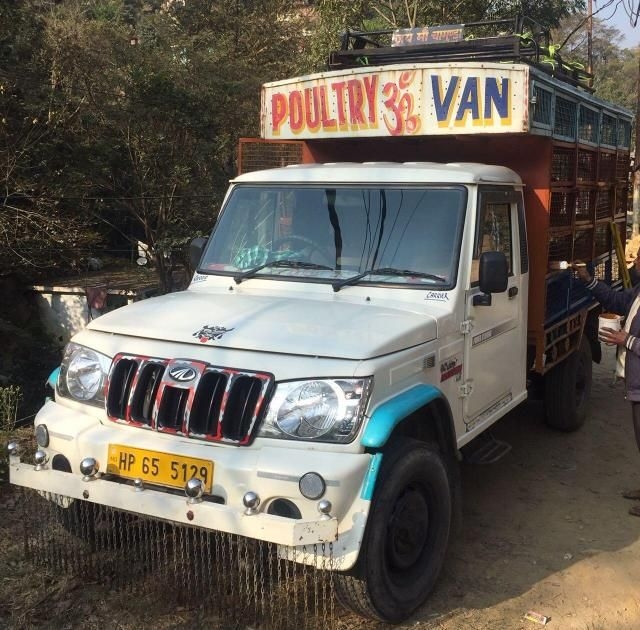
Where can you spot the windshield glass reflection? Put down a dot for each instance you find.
(329, 234)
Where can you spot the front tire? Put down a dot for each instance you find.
(406, 536)
(567, 388)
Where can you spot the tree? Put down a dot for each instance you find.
(38, 231)
(142, 109)
(334, 17)
(614, 68)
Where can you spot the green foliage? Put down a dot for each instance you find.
(10, 397)
(335, 17)
(37, 231)
(615, 69)
(119, 119)
(125, 117)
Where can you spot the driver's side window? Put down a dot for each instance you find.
(493, 234)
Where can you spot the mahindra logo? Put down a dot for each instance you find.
(182, 373)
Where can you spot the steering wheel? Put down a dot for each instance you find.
(304, 243)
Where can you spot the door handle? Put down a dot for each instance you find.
(513, 291)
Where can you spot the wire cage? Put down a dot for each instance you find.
(256, 155)
(561, 207)
(585, 203)
(239, 582)
(560, 245)
(604, 203)
(621, 203)
(583, 244)
(543, 105)
(602, 239)
(607, 167)
(623, 162)
(588, 125)
(563, 164)
(609, 130)
(587, 162)
(565, 121)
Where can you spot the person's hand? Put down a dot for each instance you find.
(613, 337)
(581, 270)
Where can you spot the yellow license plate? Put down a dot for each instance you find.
(155, 467)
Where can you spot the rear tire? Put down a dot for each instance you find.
(406, 537)
(567, 388)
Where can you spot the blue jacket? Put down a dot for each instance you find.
(620, 302)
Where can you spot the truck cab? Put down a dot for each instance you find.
(386, 258)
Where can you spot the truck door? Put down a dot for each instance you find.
(495, 346)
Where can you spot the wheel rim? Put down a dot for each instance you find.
(408, 530)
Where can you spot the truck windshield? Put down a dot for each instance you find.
(405, 235)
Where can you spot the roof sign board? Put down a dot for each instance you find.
(403, 100)
(427, 35)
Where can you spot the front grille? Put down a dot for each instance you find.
(214, 403)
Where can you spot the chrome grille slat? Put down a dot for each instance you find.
(205, 412)
(145, 392)
(171, 408)
(122, 375)
(239, 399)
(217, 404)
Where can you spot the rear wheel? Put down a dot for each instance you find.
(406, 536)
(567, 388)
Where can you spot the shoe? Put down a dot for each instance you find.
(634, 510)
(634, 495)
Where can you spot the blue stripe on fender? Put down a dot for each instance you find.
(389, 414)
(53, 378)
(370, 479)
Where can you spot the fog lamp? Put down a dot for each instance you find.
(42, 435)
(312, 485)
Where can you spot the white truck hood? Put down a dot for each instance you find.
(301, 326)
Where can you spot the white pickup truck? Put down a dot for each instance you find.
(355, 321)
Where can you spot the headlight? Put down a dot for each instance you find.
(327, 410)
(82, 374)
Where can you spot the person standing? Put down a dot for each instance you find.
(627, 340)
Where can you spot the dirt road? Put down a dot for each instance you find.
(544, 529)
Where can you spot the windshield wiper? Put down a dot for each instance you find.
(385, 271)
(291, 264)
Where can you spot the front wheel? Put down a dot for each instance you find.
(406, 536)
(567, 388)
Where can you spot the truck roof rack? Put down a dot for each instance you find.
(518, 39)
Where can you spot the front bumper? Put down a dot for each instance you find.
(270, 471)
(266, 527)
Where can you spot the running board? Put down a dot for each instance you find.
(486, 449)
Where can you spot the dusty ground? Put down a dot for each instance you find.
(544, 529)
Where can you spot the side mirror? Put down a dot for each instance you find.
(494, 277)
(196, 247)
